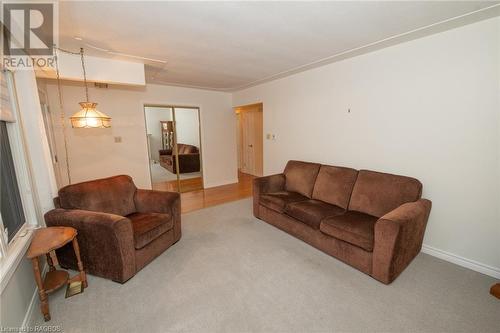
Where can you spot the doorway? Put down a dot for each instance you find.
(48, 122)
(174, 147)
(249, 127)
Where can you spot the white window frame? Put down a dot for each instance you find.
(11, 253)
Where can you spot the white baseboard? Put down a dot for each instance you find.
(32, 305)
(461, 261)
(31, 308)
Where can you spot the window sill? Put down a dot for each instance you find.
(15, 253)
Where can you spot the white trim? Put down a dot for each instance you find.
(15, 253)
(29, 311)
(31, 307)
(461, 261)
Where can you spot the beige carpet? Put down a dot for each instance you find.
(233, 273)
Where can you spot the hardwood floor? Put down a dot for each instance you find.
(195, 200)
(187, 185)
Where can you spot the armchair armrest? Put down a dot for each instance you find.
(148, 201)
(106, 242)
(268, 184)
(398, 239)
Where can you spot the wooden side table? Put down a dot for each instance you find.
(44, 243)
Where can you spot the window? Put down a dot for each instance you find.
(18, 213)
(11, 207)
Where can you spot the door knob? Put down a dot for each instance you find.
(250, 146)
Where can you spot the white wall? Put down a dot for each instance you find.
(94, 154)
(153, 117)
(428, 108)
(187, 126)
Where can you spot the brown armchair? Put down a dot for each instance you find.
(189, 159)
(120, 228)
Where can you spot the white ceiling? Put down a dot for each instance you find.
(230, 45)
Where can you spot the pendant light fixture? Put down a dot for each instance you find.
(89, 116)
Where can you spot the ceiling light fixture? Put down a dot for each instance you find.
(89, 116)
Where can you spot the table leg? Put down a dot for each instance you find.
(44, 302)
(83, 276)
(50, 262)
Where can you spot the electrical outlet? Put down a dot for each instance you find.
(118, 139)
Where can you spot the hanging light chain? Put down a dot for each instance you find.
(63, 116)
(88, 108)
(84, 75)
(83, 66)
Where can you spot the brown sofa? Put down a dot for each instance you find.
(120, 228)
(372, 221)
(189, 159)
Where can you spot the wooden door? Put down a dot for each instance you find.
(251, 141)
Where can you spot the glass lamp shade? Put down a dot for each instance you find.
(89, 117)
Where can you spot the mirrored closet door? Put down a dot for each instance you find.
(174, 146)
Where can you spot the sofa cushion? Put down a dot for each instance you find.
(278, 200)
(300, 177)
(352, 227)
(377, 193)
(149, 226)
(113, 195)
(311, 212)
(334, 185)
(186, 149)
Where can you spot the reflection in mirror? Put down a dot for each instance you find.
(174, 145)
(187, 129)
(160, 138)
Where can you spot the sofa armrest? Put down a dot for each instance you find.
(268, 184)
(148, 201)
(106, 242)
(189, 162)
(398, 239)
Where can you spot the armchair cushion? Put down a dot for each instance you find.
(113, 195)
(377, 193)
(300, 177)
(150, 201)
(311, 212)
(149, 226)
(278, 200)
(352, 227)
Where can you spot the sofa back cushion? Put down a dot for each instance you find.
(186, 149)
(114, 195)
(300, 177)
(334, 185)
(377, 193)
